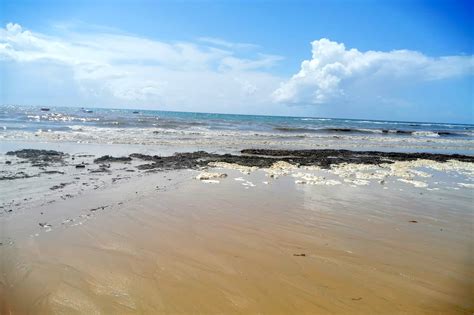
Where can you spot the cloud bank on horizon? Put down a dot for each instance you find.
(112, 68)
(120, 69)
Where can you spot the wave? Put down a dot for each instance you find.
(426, 133)
(401, 132)
(326, 130)
(293, 129)
(316, 119)
(397, 131)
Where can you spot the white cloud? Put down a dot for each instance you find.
(105, 67)
(263, 61)
(332, 67)
(226, 44)
(111, 67)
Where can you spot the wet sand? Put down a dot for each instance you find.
(259, 243)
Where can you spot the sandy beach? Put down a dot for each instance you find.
(210, 157)
(113, 236)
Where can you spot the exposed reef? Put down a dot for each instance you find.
(39, 157)
(263, 158)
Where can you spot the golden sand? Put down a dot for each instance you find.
(283, 248)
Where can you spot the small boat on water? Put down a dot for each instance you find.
(45, 109)
(136, 112)
(87, 111)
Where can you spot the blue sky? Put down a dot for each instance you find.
(401, 60)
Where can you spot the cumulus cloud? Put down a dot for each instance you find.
(126, 68)
(106, 67)
(333, 67)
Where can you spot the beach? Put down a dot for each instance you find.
(210, 157)
(123, 224)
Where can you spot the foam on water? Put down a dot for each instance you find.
(114, 126)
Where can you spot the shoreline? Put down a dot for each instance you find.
(71, 174)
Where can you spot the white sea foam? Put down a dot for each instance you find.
(425, 134)
(241, 168)
(415, 183)
(210, 175)
(316, 119)
(466, 185)
(210, 181)
(236, 139)
(280, 168)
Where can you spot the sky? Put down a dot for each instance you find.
(391, 60)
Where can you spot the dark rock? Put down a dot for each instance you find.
(52, 172)
(98, 208)
(325, 158)
(39, 158)
(62, 185)
(100, 170)
(18, 175)
(265, 158)
(108, 159)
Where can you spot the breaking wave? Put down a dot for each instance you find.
(419, 133)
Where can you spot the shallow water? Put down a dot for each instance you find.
(227, 132)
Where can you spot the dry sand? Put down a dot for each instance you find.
(167, 243)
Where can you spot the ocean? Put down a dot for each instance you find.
(227, 131)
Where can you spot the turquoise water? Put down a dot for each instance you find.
(63, 118)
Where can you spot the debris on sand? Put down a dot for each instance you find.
(62, 185)
(17, 175)
(109, 159)
(210, 176)
(98, 208)
(53, 172)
